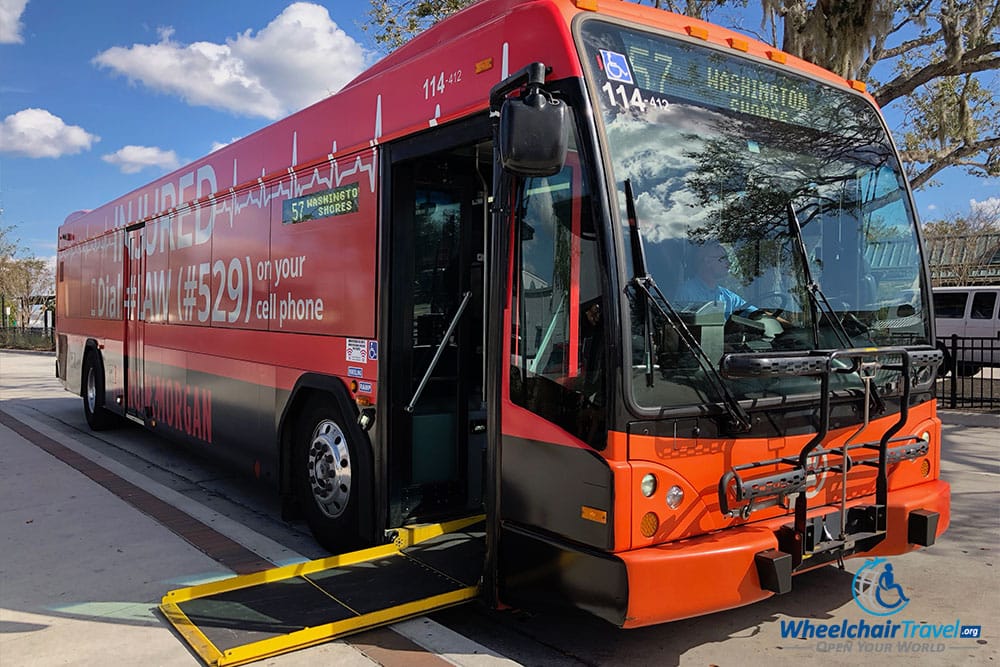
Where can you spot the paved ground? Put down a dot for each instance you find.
(82, 569)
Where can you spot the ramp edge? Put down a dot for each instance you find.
(266, 648)
(195, 638)
(277, 574)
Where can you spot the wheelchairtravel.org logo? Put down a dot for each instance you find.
(876, 592)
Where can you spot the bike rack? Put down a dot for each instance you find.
(812, 541)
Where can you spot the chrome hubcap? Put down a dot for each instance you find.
(91, 391)
(329, 466)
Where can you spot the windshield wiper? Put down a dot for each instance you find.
(639, 269)
(644, 284)
(815, 292)
(818, 298)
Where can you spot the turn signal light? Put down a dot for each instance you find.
(650, 522)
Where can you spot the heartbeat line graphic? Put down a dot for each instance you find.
(331, 175)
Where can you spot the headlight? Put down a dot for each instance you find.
(675, 496)
(648, 484)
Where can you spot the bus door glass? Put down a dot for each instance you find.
(135, 269)
(437, 435)
(557, 346)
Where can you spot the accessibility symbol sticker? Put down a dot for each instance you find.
(616, 66)
(373, 350)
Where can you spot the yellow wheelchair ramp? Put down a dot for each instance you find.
(255, 616)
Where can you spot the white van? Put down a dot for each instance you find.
(970, 312)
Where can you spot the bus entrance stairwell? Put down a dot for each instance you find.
(436, 444)
(814, 539)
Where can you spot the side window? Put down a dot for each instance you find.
(558, 345)
(950, 305)
(982, 305)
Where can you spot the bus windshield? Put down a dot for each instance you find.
(750, 183)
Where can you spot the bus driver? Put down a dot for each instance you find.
(708, 267)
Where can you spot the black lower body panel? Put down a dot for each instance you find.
(541, 573)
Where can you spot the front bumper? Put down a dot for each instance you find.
(718, 571)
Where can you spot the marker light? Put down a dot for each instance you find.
(696, 31)
(650, 522)
(675, 496)
(648, 484)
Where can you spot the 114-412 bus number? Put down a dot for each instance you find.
(620, 96)
(436, 84)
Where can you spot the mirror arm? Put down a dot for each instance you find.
(532, 75)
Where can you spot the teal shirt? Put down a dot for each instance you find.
(695, 291)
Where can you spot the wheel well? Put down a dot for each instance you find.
(89, 348)
(308, 387)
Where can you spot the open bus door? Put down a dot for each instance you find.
(436, 440)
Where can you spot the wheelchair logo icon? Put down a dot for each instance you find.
(616, 66)
(875, 589)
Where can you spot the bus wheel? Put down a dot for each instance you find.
(98, 419)
(326, 481)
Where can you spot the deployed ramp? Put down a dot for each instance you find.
(254, 616)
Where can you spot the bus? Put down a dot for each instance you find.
(609, 275)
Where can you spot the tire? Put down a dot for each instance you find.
(330, 474)
(98, 418)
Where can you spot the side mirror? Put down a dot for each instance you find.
(533, 134)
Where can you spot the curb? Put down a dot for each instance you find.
(43, 353)
(963, 418)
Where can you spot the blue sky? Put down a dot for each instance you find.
(98, 98)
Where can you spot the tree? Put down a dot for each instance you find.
(29, 282)
(942, 57)
(8, 247)
(394, 22)
(937, 61)
(24, 281)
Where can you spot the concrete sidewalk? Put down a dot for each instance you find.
(82, 572)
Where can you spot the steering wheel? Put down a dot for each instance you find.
(763, 308)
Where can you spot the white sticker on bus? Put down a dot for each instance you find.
(357, 350)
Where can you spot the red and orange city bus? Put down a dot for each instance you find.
(649, 293)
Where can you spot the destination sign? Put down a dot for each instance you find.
(328, 203)
(643, 71)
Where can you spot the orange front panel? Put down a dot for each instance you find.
(716, 571)
(696, 465)
(684, 579)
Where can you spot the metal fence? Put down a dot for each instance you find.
(971, 375)
(28, 338)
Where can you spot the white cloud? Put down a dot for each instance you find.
(298, 58)
(132, 159)
(932, 207)
(989, 207)
(10, 21)
(38, 133)
(216, 145)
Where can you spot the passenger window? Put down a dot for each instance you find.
(982, 305)
(558, 343)
(950, 305)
